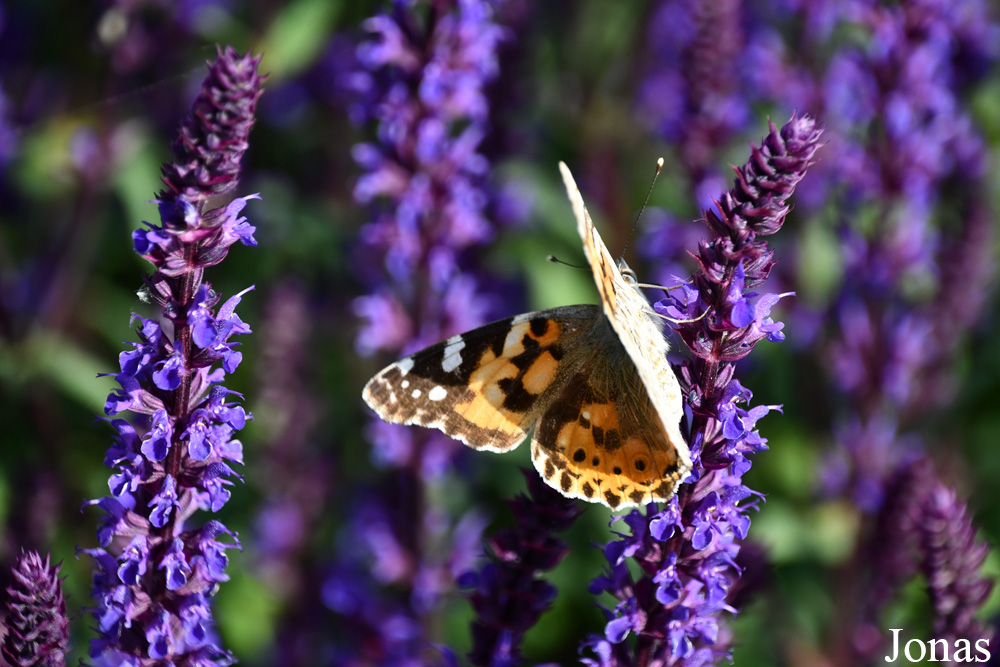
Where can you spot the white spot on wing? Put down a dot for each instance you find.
(416, 393)
(404, 384)
(437, 393)
(453, 354)
(405, 365)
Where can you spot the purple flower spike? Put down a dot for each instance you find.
(211, 143)
(687, 551)
(950, 558)
(507, 595)
(922, 527)
(36, 623)
(151, 595)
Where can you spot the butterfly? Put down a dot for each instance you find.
(593, 381)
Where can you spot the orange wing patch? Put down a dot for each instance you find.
(605, 449)
(503, 388)
(540, 373)
(486, 407)
(543, 332)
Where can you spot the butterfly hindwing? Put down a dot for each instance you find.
(601, 438)
(485, 387)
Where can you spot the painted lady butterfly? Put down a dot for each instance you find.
(593, 380)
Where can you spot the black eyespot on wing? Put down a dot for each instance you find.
(616, 470)
(640, 465)
(595, 461)
(579, 455)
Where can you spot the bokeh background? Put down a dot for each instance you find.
(890, 249)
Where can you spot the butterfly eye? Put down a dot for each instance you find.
(629, 276)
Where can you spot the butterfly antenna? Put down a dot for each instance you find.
(659, 167)
(556, 260)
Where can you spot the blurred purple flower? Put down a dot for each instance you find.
(922, 527)
(666, 243)
(692, 95)
(507, 595)
(420, 85)
(909, 165)
(155, 571)
(902, 139)
(687, 549)
(8, 138)
(424, 179)
(295, 494)
(37, 628)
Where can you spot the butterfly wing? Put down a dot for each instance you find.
(627, 311)
(598, 438)
(488, 386)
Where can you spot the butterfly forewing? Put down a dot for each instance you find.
(628, 312)
(488, 386)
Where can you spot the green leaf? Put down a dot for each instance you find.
(298, 35)
(62, 363)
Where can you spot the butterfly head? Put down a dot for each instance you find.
(628, 275)
(630, 278)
